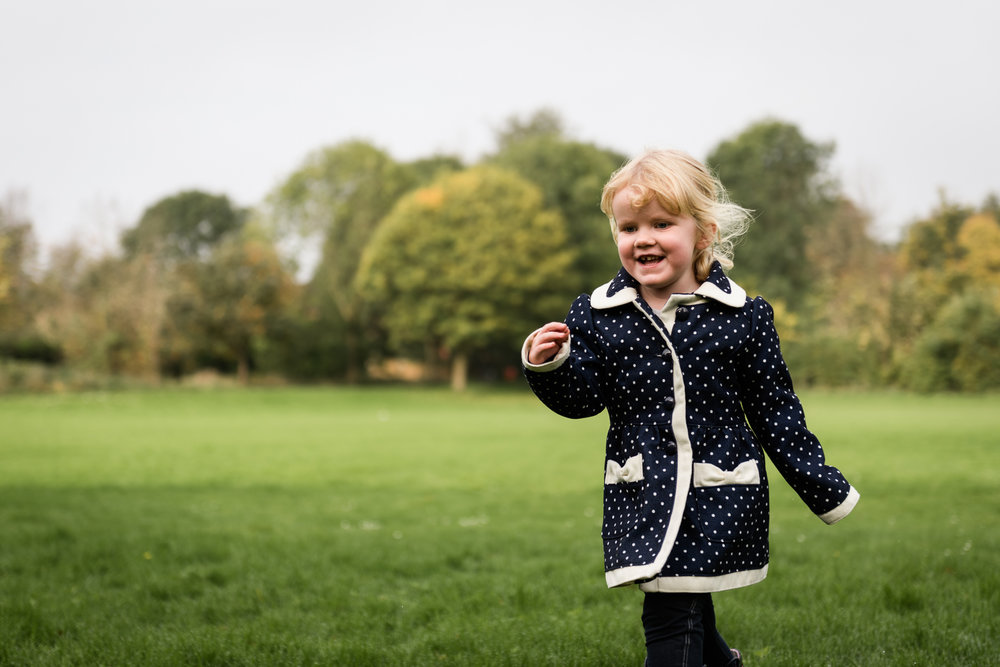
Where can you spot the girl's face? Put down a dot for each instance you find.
(656, 247)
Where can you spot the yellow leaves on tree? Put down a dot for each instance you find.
(430, 197)
(979, 240)
(468, 264)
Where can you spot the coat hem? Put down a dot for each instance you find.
(722, 582)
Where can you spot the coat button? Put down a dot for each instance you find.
(669, 401)
(682, 313)
(670, 447)
(665, 353)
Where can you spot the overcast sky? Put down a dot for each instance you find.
(109, 105)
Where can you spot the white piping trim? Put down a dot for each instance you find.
(685, 465)
(722, 582)
(685, 452)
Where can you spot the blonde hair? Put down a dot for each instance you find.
(682, 186)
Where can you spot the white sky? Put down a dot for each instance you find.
(109, 105)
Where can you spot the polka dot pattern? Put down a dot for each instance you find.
(736, 402)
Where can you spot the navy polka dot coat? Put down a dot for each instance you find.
(696, 393)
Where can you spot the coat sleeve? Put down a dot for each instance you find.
(775, 414)
(570, 384)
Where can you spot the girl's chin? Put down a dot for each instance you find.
(651, 274)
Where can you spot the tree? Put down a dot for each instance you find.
(772, 169)
(946, 307)
(224, 306)
(571, 175)
(959, 350)
(126, 322)
(340, 195)
(425, 170)
(306, 342)
(978, 264)
(542, 123)
(184, 226)
(930, 250)
(932, 257)
(842, 338)
(17, 255)
(105, 314)
(19, 297)
(469, 263)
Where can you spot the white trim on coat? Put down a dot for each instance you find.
(685, 468)
(706, 474)
(722, 582)
(843, 509)
(550, 365)
(735, 298)
(646, 575)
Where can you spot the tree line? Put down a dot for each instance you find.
(359, 266)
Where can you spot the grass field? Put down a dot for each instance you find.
(416, 527)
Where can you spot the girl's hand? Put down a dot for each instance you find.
(547, 342)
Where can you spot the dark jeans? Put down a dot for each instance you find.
(680, 631)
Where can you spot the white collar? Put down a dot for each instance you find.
(734, 298)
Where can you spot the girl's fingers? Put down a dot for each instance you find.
(539, 355)
(547, 342)
(555, 329)
(551, 335)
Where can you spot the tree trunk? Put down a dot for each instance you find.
(243, 369)
(352, 349)
(431, 362)
(459, 371)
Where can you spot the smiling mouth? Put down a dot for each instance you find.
(649, 259)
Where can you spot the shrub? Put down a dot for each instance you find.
(960, 350)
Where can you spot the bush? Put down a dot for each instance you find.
(826, 360)
(960, 350)
(31, 348)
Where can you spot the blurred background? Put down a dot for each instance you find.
(258, 192)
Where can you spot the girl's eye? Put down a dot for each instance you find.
(661, 224)
(627, 229)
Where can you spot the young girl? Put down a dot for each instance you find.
(691, 374)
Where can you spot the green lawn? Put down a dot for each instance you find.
(415, 527)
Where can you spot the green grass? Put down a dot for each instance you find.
(417, 527)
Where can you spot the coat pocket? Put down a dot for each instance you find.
(730, 503)
(622, 506)
(639, 477)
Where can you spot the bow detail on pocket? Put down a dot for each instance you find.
(706, 474)
(631, 471)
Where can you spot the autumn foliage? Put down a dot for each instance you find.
(359, 263)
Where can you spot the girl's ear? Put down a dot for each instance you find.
(707, 237)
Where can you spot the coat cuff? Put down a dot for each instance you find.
(550, 365)
(843, 509)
